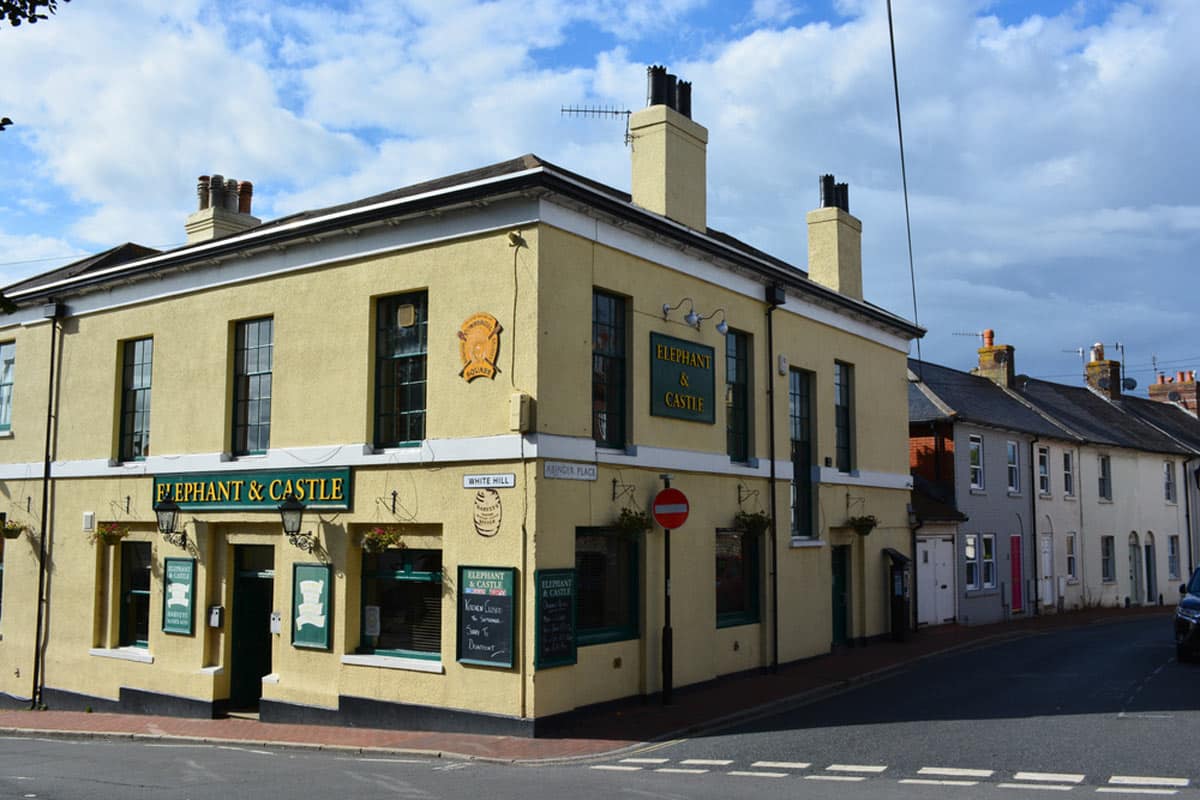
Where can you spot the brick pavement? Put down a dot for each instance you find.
(612, 728)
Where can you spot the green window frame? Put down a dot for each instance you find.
(609, 362)
(135, 594)
(800, 387)
(737, 396)
(253, 361)
(137, 365)
(737, 577)
(606, 596)
(406, 586)
(401, 355)
(843, 393)
(8, 354)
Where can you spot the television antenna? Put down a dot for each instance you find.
(977, 334)
(599, 112)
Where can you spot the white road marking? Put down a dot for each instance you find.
(782, 764)
(1049, 787)
(847, 778)
(1049, 777)
(1137, 780)
(1134, 790)
(677, 771)
(616, 768)
(874, 769)
(178, 745)
(955, 772)
(392, 760)
(707, 762)
(931, 782)
(644, 760)
(757, 774)
(246, 750)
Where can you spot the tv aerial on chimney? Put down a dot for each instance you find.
(599, 112)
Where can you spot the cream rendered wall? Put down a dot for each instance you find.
(1059, 514)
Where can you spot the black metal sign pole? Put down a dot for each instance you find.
(668, 644)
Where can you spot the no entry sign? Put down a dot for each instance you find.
(670, 508)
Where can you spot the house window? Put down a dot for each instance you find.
(138, 357)
(401, 348)
(1108, 564)
(1169, 481)
(608, 370)
(1044, 470)
(975, 448)
(1172, 557)
(606, 570)
(135, 594)
(737, 396)
(843, 389)
(800, 420)
(1069, 474)
(737, 577)
(1014, 466)
(252, 362)
(971, 559)
(402, 603)
(1072, 563)
(1105, 482)
(988, 557)
(8, 354)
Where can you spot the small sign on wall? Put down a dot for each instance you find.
(179, 595)
(310, 605)
(478, 346)
(488, 512)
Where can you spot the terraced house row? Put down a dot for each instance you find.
(392, 462)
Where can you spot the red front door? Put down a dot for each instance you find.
(1014, 553)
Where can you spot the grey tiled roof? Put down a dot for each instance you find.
(974, 399)
(1167, 417)
(113, 257)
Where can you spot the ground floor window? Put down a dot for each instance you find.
(737, 577)
(135, 594)
(1072, 568)
(606, 570)
(402, 603)
(1108, 564)
(1172, 557)
(979, 556)
(971, 559)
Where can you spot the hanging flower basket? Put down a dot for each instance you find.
(633, 521)
(13, 529)
(754, 523)
(380, 538)
(862, 525)
(108, 533)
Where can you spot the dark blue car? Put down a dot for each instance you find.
(1187, 620)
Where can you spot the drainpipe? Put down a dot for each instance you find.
(775, 297)
(52, 312)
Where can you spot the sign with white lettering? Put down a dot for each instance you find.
(567, 471)
(503, 481)
(554, 638)
(682, 379)
(486, 613)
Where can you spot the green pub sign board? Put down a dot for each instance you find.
(179, 595)
(682, 379)
(555, 619)
(486, 611)
(310, 605)
(316, 488)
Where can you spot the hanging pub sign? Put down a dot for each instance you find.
(179, 595)
(310, 606)
(682, 379)
(478, 345)
(316, 488)
(554, 637)
(486, 611)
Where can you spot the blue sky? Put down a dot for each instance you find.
(1049, 143)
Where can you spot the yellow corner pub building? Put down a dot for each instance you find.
(393, 463)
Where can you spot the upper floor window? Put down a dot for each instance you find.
(1044, 470)
(737, 396)
(1069, 474)
(137, 361)
(608, 370)
(843, 393)
(401, 348)
(1105, 478)
(8, 354)
(1169, 481)
(975, 449)
(1014, 466)
(252, 362)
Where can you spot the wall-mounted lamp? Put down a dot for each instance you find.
(168, 516)
(693, 319)
(722, 326)
(291, 511)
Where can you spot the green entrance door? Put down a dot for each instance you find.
(841, 593)
(253, 602)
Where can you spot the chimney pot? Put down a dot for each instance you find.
(656, 86)
(245, 194)
(202, 191)
(828, 191)
(1162, 379)
(1180, 376)
(989, 338)
(231, 194)
(683, 98)
(216, 191)
(843, 196)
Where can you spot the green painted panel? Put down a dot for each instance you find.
(310, 605)
(179, 595)
(682, 379)
(316, 488)
(554, 635)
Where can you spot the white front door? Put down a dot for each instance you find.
(1046, 590)
(935, 581)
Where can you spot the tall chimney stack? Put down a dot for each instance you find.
(835, 241)
(224, 209)
(996, 361)
(669, 151)
(1103, 374)
(1183, 390)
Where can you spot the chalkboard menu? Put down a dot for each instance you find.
(179, 595)
(486, 608)
(555, 618)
